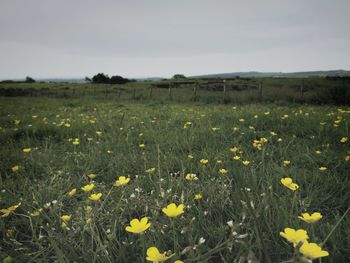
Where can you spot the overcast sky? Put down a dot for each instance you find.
(141, 38)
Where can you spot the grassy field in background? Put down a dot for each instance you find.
(291, 90)
(242, 207)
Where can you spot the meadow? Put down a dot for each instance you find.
(76, 173)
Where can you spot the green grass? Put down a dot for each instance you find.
(252, 196)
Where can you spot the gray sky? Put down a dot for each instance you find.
(140, 38)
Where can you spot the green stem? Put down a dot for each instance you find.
(336, 225)
(174, 235)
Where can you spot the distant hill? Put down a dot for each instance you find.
(256, 74)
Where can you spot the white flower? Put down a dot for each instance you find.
(230, 223)
(201, 241)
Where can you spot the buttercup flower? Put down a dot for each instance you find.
(88, 187)
(288, 182)
(234, 149)
(236, 158)
(92, 176)
(138, 226)
(66, 218)
(72, 192)
(151, 170)
(95, 197)
(191, 177)
(204, 161)
(142, 145)
(15, 168)
(246, 162)
(154, 255)
(286, 162)
(26, 150)
(312, 250)
(122, 180)
(7, 211)
(197, 197)
(36, 212)
(173, 211)
(344, 139)
(223, 171)
(322, 168)
(314, 217)
(294, 236)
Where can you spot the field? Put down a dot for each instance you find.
(223, 162)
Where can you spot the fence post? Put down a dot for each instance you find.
(224, 90)
(150, 91)
(170, 86)
(260, 91)
(195, 91)
(302, 89)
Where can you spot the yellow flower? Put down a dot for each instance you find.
(151, 170)
(67, 125)
(266, 113)
(36, 212)
(204, 161)
(138, 226)
(95, 197)
(179, 261)
(273, 133)
(318, 152)
(234, 149)
(191, 177)
(215, 129)
(344, 139)
(7, 211)
(88, 187)
(142, 145)
(122, 180)
(314, 217)
(223, 171)
(279, 139)
(72, 192)
(66, 218)
(322, 168)
(312, 250)
(99, 133)
(286, 162)
(294, 236)
(288, 182)
(15, 168)
(17, 122)
(76, 141)
(190, 156)
(187, 124)
(236, 158)
(154, 255)
(246, 162)
(197, 197)
(218, 161)
(92, 176)
(26, 150)
(173, 211)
